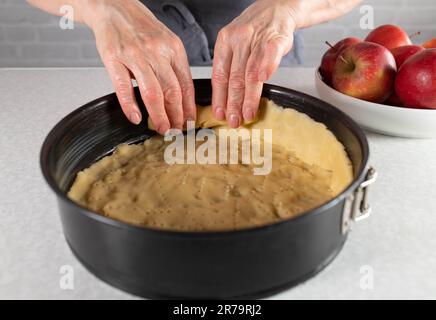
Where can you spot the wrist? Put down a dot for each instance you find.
(90, 11)
(297, 12)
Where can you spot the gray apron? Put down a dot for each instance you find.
(197, 23)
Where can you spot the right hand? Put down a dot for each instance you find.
(134, 44)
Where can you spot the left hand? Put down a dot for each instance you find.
(247, 52)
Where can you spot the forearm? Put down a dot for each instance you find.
(82, 8)
(311, 12)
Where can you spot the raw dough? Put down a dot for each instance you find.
(136, 185)
(205, 119)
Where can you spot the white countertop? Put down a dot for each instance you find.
(398, 241)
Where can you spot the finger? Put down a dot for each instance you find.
(152, 95)
(253, 86)
(263, 62)
(122, 83)
(236, 89)
(182, 71)
(171, 92)
(220, 76)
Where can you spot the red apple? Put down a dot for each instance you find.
(394, 100)
(430, 44)
(389, 36)
(366, 71)
(329, 58)
(401, 54)
(416, 80)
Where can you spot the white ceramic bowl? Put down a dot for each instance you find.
(380, 118)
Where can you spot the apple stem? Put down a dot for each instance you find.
(413, 35)
(330, 45)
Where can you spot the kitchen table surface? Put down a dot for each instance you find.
(392, 254)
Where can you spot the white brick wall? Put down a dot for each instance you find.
(29, 37)
(32, 38)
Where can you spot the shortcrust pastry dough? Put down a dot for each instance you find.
(136, 185)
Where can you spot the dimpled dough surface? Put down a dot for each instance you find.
(136, 185)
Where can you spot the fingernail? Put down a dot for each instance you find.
(135, 117)
(263, 76)
(189, 118)
(248, 115)
(163, 129)
(234, 121)
(219, 114)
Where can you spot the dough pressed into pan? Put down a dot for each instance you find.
(136, 185)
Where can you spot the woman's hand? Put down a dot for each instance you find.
(134, 44)
(247, 52)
